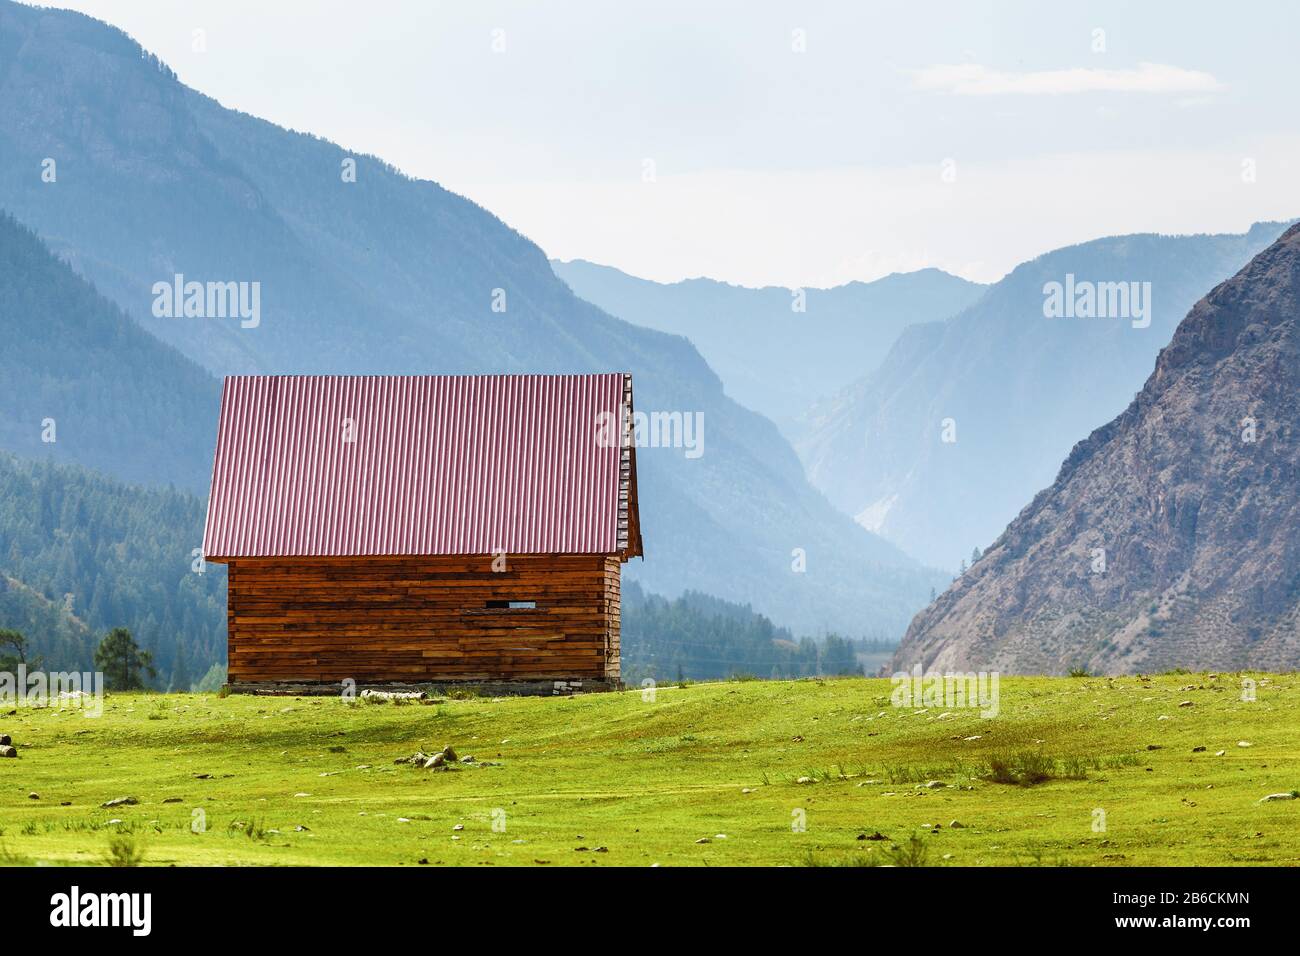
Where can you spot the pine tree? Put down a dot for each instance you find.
(16, 653)
(180, 682)
(122, 661)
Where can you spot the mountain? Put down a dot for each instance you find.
(771, 358)
(966, 419)
(1171, 536)
(84, 383)
(320, 271)
(81, 553)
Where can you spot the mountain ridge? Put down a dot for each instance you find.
(1171, 535)
(771, 356)
(966, 419)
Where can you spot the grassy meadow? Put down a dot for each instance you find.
(1076, 771)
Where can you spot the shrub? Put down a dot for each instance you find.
(912, 853)
(1024, 768)
(124, 850)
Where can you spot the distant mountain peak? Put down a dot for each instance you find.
(776, 349)
(927, 272)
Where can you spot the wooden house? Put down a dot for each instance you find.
(424, 529)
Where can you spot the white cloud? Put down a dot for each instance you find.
(973, 79)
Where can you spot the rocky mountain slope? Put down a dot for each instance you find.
(1171, 536)
(770, 357)
(966, 419)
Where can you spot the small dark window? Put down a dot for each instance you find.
(513, 605)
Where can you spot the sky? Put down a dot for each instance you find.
(801, 144)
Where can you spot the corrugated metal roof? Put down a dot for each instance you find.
(438, 464)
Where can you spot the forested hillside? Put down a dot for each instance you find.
(698, 637)
(109, 555)
(84, 383)
(54, 636)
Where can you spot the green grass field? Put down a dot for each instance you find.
(707, 774)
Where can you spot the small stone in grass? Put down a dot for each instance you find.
(120, 802)
(1280, 796)
(703, 840)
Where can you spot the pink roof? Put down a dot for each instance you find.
(440, 464)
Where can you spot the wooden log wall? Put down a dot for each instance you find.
(423, 619)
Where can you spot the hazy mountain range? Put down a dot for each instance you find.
(965, 420)
(778, 350)
(929, 409)
(1171, 536)
(134, 179)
